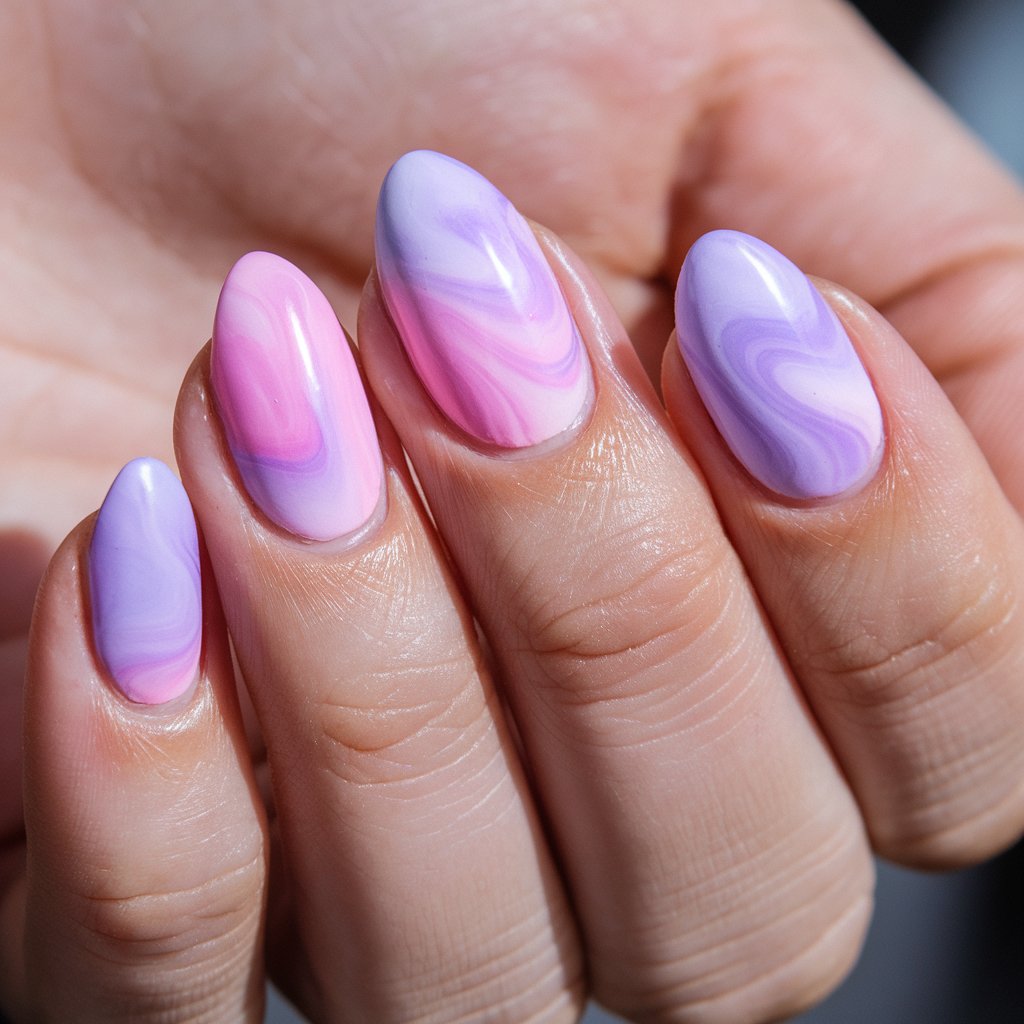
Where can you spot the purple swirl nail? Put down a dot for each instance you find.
(775, 369)
(144, 584)
(291, 401)
(476, 305)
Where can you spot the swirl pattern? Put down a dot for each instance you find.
(294, 411)
(476, 305)
(144, 584)
(775, 369)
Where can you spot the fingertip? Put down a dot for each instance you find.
(94, 631)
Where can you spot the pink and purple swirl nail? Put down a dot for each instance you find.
(144, 584)
(775, 369)
(292, 404)
(476, 305)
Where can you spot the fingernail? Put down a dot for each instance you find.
(294, 411)
(144, 584)
(476, 305)
(775, 369)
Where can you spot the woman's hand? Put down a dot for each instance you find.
(145, 148)
(739, 649)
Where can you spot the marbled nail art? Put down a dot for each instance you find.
(775, 369)
(289, 396)
(476, 305)
(144, 584)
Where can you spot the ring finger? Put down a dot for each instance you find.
(418, 882)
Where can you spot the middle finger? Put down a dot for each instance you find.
(715, 854)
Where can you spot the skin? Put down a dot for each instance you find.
(145, 148)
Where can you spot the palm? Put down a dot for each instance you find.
(139, 168)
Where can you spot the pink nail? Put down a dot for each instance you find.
(293, 407)
(476, 305)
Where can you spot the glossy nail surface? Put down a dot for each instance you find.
(775, 369)
(293, 407)
(144, 584)
(476, 305)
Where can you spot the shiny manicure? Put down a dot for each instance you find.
(294, 410)
(775, 369)
(476, 305)
(144, 584)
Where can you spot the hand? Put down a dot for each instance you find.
(954, 250)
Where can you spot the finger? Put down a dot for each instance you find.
(810, 134)
(146, 861)
(898, 597)
(420, 883)
(714, 854)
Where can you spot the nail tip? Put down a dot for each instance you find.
(418, 165)
(255, 261)
(252, 273)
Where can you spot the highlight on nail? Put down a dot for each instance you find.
(476, 305)
(775, 369)
(144, 584)
(289, 395)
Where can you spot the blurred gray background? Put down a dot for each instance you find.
(943, 949)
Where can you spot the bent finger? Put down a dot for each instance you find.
(145, 840)
(890, 562)
(420, 883)
(714, 853)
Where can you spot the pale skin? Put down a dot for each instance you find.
(723, 703)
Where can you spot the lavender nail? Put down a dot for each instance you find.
(775, 369)
(144, 584)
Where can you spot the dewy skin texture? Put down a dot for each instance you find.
(476, 305)
(293, 407)
(144, 584)
(775, 369)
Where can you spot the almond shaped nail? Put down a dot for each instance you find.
(775, 369)
(144, 584)
(292, 404)
(476, 305)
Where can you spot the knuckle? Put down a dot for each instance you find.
(174, 925)
(764, 936)
(646, 598)
(932, 670)
(407, 728)
(395, 693)
(164, 952)
(723, 986)
(946, 831)
(917, 641)
(511, 974)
